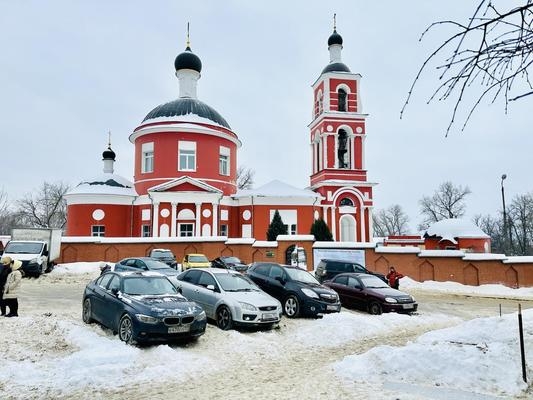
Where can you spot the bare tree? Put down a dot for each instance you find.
(448, 201)
(494, 228)
(245, 177)
(521, 224)
(390, 221)
(44, 208)
(493, 48)
(7, 216)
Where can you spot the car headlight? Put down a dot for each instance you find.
(248, 307)
(36, 260)
(413, 298)
(201, 316)
(310, 293)
(147, 319)
(391, 300)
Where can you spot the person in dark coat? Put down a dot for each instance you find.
(5, 269)
(394, 278)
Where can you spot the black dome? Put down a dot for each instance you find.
(188, 60)
(184, 106)
(108, 154)
(335, 38)
(336, 67)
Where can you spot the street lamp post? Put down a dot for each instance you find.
(506, 227)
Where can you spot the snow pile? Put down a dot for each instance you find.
(479, 356)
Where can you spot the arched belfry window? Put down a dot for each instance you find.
(342, 96)
(346, 202)
(342, 148)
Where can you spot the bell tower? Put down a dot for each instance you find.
(337, 139)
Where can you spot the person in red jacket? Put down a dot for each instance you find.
(394, 278)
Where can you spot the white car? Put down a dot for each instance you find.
(229, 298)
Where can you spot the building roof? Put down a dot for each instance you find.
(184, 106)
(277, 188)
(455, 228)
(105, 183)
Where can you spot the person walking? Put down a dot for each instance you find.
(11, 288)
(5, 269)
(394, 278)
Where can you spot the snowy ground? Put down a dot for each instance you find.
(49, 353)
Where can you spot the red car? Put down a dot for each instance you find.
(369, 293)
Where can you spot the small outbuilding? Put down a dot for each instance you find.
(456, 234)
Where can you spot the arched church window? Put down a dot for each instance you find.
(342, 95)
(342, 148)
(346, 202)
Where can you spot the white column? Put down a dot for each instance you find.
(325, 214)
(214, 231)
(313, 154)
(363, 139)
(363, 223)
(333, 223)
(198, 228)
(174, 206)
(370, 224)
(155, 221)
(352, 152)
(325, 152)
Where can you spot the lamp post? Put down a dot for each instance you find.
(506, 231)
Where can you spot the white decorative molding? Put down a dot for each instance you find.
(98, 214)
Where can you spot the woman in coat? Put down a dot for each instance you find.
(11, 288)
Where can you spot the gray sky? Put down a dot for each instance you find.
(73, 70)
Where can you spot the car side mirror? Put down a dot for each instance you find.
(280, 280)
(115, 291)
(210, 287)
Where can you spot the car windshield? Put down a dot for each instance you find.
(154, 265)
(162, 253)
(148, 286)
(232, 260)
(373, 282)
(301, 275)
(198, 258)
(235, 283)
(23, 248)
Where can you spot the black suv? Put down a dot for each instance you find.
(327, 269)
(164, 255)
(297, 290)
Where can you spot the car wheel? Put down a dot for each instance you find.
(224, 320)
(125, 329)
(291, 306)
(86, 313)
(374, 308)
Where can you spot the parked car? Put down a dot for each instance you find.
(164, 255)
(142, 306)
(327, 269)
(229, 262)
(369, 293)
(195, 261)
(299, 292)
(146, 264)
(230, 298)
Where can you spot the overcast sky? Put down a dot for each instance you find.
(73, 70)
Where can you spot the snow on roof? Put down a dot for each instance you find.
(518, 260)
(105, 183)
(264, 243)
(177, 239)
(484, 256)
(240, 241)
(441, 253)
(296, 237)
(453, 228)
(277, 188)
(398, 249)
(343, 245)
(190, 117)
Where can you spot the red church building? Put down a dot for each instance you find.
(184, 182)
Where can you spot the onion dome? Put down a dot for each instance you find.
(336, 67)
(188, 60)
(335, 38)
(187, 107)
(108, 154)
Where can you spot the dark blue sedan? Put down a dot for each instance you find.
(142, 307)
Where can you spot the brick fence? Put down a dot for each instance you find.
(420, 265)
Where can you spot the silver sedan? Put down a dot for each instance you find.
(229, 298)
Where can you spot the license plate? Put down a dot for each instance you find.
(269, 316)
(408, 306)
(179, 328)
(332, 307)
